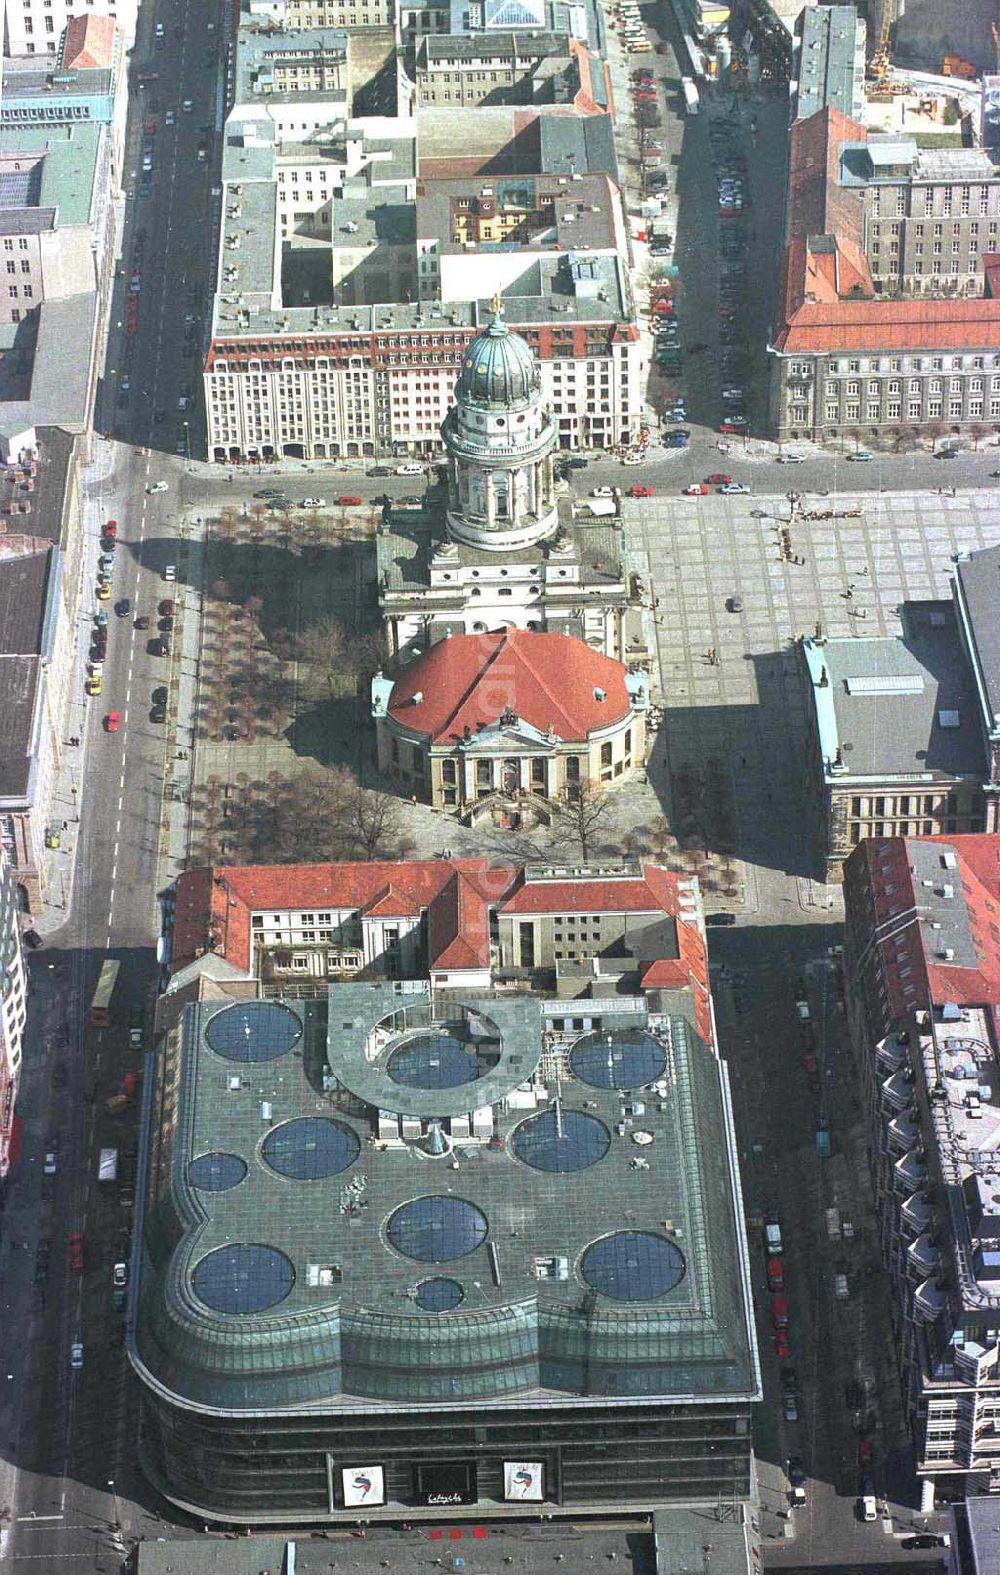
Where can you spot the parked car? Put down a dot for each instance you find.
(720, 919)
(733, 487)
(779, 1312)
(697, 489)
(790, 459)
(861, 456)
(782, 1344)
(348, 501)
(76, 1356)
(313, 503)
(775, 1274)
(790, 1407)
(718, 478)
(75, 1250)
(640, 490)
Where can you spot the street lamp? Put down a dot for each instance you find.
(114, 1506)
(187, 446)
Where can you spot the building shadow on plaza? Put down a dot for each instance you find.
(738, 783)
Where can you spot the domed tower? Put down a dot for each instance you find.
(500, 439)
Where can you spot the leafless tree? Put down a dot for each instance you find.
(374, 817)
(581, 817)
(321, 652)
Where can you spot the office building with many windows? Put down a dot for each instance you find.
(890, 313)
(418, 1239)
(922, 985)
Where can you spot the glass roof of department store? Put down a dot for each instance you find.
(579, 1197)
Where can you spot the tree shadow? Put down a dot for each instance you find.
(332, 732)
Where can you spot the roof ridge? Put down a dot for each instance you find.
(473, 683)
(536, 675)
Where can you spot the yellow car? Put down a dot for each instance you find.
(104, 591)
(95, 683)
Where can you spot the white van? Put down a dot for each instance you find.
(867, 1507)
(773, 1244)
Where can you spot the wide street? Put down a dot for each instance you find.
(68, 1473)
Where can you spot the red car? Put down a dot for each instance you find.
(718, 478)
(149, 126)
(697, 489)
(348, 501)
(75, 1246)
(779, 1312)
(110, 528)
(640, 491)
(810, 1064)
(732, 426)
(112, 722)
(775, 1274)
(782, 1344)
(864, 1453)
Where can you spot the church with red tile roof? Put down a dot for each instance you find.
(509, 717)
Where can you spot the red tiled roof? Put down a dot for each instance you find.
(549, 680)
(979, 873)
(89, 43)
(458, 926)
(213, 906)
(827, 290)
(213, 909)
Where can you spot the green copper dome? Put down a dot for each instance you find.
(499, 369)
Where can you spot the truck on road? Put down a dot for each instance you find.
(107, 1165)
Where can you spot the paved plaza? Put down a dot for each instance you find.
(746, 707)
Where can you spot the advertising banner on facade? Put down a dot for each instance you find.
(523, 1480)
(362, 1485)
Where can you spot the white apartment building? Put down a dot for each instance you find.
(35, 27)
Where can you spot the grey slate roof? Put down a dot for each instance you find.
(19, 676)
(23, 581)
(897, 734)
(978, 594)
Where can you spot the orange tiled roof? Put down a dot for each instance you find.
(549, 680)
(827, 286)
(89, 43)
(213, 909)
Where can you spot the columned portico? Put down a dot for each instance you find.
(500, 439)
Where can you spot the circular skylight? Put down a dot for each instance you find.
(253, 1031)
(216, 1172)
(626, 1058)
(561, 1141)
(633, 1265)
(436, 1229)
(310, 1148)
(440, 1060)
(439, 1295)
(243, 1278)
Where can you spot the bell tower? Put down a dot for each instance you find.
(500, 438)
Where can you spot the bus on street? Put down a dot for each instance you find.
(100, 1006)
